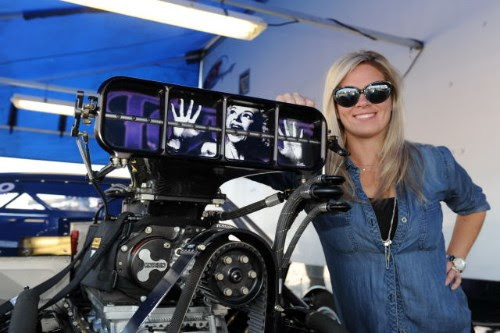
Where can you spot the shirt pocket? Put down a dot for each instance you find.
(430, 225)
(337, 232)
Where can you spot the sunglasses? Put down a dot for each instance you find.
(376, 92)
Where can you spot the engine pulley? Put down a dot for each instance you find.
(234, 275)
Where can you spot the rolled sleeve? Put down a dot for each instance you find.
(462, 196)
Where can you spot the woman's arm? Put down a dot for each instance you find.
(467, 228)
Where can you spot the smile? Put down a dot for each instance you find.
(365, 116)
(235, 126)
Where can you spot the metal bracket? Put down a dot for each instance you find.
(83, 112)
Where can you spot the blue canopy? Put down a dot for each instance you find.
(49, 44)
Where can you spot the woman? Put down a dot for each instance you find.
(386, 256)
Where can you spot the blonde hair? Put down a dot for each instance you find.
(399, 159)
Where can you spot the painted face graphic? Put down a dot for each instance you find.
(239, 118)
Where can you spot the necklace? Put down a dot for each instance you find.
(387, 242)
(366, 167)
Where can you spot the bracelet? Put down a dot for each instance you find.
(458, 264)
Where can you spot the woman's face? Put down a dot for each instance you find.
(239, 118)
(364, 120)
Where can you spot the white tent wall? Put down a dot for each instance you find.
(451, 96)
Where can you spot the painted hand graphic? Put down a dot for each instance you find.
(291, 150)
(185, 117)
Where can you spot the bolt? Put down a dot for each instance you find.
(148, 230)
(143, 298)
(244, 259)
(235, 275)
(219, 276)
(177, 229)
(244, 290)
(124, 248)
(278, 308)
(252, 274)
(166, 245)
(228, 292)
(227, 260)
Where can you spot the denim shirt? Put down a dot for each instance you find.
(408, 294)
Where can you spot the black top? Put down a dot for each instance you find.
(383, 211)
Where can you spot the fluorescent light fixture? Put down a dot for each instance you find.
(31, 103)
(186, 14)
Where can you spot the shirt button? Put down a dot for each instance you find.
(404, 219)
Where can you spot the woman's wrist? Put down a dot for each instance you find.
(458, 263)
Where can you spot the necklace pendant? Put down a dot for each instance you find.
(387, 242)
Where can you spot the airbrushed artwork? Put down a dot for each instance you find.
(126, 129)
(249, 134)
(194, 123)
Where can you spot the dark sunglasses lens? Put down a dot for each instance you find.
(377, 92)
(347, 97)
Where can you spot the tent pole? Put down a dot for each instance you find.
(41, 86)
(204, 52)
(324, 22)
(200, 73)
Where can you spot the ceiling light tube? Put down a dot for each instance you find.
(31, 103)
(186, 14)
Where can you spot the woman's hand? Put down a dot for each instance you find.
(295, 98)
(185, 117)
(452, 276)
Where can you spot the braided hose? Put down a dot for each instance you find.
(270, 201)
(288, 214)
(321, 208)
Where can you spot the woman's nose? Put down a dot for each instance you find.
(362, 101)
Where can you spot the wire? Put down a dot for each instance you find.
(93, 181)
(67, 54)
(347, 26)
(155, 63)
(222, 5)
(414, 60)
(103, 197)
(71, 54)
(374, 38)
(283, 23)
(98, 212)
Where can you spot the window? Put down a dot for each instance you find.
(24, 201)
(7, 197)
(72, 203)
